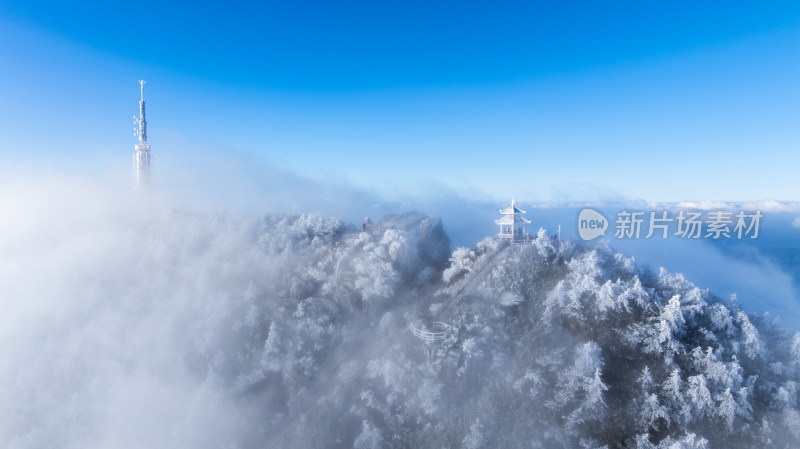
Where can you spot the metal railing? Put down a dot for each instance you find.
(429, 336)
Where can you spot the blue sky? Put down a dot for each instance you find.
(555, 101)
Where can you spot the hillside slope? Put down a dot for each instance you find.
(292, 331)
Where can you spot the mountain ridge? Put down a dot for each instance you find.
(293, 331)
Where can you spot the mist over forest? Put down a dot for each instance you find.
(128, 322)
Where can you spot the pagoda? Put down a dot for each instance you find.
(512, 225)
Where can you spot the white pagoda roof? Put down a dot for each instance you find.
(512, 209)
(512, 219)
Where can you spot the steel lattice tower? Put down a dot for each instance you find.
(142, 158)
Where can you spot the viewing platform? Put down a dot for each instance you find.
(430, 332)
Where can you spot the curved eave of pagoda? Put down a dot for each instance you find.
(512, 210)
(512, 219)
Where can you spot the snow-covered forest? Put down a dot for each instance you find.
(293, 332)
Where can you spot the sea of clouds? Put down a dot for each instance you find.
(106, 290)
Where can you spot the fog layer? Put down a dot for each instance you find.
(127, 323)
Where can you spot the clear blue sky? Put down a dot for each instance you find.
(660, 101)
